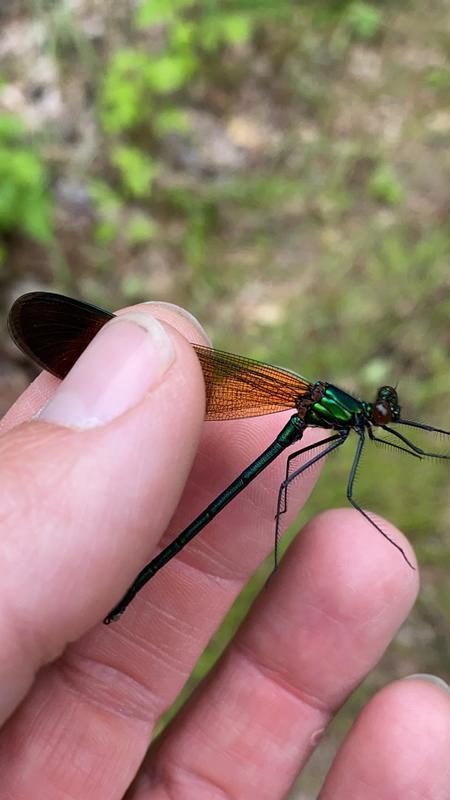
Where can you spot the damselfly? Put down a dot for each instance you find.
(54, 330)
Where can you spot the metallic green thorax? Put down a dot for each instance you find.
(335, 409)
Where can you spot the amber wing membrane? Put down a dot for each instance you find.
(241, 387)
(54, 330)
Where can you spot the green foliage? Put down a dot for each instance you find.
(125, 99)
(200, 219)
(109, 209)
(106, 199)
(138, 84)
(24, 196)
(218, 29)
(170, 120)
(363, 20)
(140, 229)
(438, 78)
(12, 129)
(137, 170)
(385, 187)
(150, 12)
(106, 231)
(141, 100)
(167, 74)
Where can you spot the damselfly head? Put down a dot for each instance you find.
(386, 407)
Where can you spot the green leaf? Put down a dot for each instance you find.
(25, 202)
(210, 35)
(169, 73)
(9, 201)
(137, 170)
(236, 28)
(106, 232)
(217, 29)
(182, 35)
(126, 61)
(438, 78)
(140, 229)
(12, 128)
(105, 198)
(385, 186)
(171, 120)
(363, 19)
(124, 93)
(155, 12)
(132, 286)
(36, 217)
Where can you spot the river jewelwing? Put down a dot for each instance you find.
(53, 330)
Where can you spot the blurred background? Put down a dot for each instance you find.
(281, 171)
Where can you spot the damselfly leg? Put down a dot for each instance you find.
(335, 441)
(357, 507)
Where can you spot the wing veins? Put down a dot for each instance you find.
(54, 330)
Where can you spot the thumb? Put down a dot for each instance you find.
(109, 454)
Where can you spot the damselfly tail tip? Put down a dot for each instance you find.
(113, 616)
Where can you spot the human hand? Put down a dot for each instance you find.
(87, 492)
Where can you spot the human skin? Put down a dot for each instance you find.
(96, 474)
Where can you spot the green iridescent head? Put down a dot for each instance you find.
(386, 407)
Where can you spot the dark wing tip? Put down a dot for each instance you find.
(52, 329)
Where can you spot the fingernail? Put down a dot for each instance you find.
(425, 676)
(126, 359)
(182, 313)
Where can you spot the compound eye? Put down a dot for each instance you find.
(381, 414)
